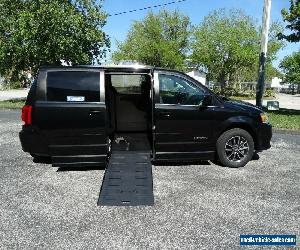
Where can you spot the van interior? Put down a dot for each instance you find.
(129, 106)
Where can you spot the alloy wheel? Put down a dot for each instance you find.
(236, 148)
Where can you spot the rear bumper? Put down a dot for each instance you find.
(264, 136)
(32, 142)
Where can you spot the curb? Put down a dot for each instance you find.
(286, 131)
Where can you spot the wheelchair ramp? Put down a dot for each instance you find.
(127, 180)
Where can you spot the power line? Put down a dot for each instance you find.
(145, 8)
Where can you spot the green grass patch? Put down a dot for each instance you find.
(241, 98)
(285, 118)
(12, 104)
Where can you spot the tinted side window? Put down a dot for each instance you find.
(76, 86)
(129, 84)
(31, 94)
(176, 90)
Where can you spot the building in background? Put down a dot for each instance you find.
(276, 83)
(199, 76)
(284, 87)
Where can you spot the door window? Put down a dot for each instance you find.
(73, 86)
(130, 84)
(176, 90)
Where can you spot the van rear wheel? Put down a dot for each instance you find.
(235, 148)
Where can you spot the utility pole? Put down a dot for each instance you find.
(263, 52)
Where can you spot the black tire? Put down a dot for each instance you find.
(235, 148)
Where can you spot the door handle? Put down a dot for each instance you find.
(94, 112)
(166, 113)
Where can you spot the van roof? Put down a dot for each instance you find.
(125, 67)
(100, 66)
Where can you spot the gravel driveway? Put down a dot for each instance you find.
(196, 207)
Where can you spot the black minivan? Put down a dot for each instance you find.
(78, 116)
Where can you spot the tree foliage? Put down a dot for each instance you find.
(227, 45)
(224, 43)
(292, 17)
(291, 68)
(160, 40)
(38, 32)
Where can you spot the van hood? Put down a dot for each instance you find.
(241, 106)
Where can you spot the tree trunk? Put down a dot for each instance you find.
(222, 81)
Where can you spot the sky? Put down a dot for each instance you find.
(118, 26)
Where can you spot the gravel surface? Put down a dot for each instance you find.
(196, 207)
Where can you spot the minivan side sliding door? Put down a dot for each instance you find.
(183, 131)
(71, 114)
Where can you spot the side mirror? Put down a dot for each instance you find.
(206, 101)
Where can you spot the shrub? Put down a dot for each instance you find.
(269, 93)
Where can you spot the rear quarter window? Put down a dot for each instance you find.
(83, 86)
(31, 94)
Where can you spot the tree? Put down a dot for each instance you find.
(39, 32)
(271, 72)
(160, 40)
(250, 74)
(290, 66)
(227, 45)
(292, 16)
(224, 43)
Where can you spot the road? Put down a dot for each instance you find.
(196, 206)
(13, 94)
(286, 101)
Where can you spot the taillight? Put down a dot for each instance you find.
(26, 114)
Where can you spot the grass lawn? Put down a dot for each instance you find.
(241, 98)
(281, 119)
(12, 104)
(285, 118)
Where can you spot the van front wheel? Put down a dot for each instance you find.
(235, 148)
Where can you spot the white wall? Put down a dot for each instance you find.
(275, 83)
(200, 77)
(1, 82)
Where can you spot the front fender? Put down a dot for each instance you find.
(244, 122)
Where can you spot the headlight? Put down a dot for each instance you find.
(264, 118)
